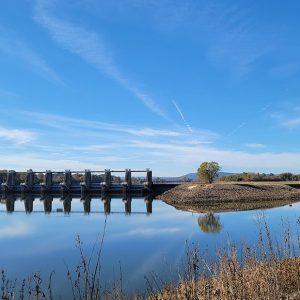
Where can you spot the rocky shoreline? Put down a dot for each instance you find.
(220, 197)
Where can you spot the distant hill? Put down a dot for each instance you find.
(192, 176)
(226, 173)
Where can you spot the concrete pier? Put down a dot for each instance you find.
(149, 200)
(127, 204)
(9, 200)
(67, 202)
(10, 184)
(127, 182)
(87, 183)
(67, 183)
(106, 199)
(28, 185)
(106, 185)
(48, 199)
(28, 202)
(46, 186)
(86, 203)
(149, 180)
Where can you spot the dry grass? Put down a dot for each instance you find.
(270, 271)
(248, 182)
(229, 280)
(259, 182)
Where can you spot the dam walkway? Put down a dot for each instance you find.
(83, 182)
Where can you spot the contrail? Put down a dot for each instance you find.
(182, 117)
(237, 128)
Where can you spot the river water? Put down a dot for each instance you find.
(140, 243)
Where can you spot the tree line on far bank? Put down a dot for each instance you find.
(261, 177)
(59, 177)
(209, 172)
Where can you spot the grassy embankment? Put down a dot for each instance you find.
(269, 271)
(272, 280)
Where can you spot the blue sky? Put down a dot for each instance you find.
(158, 83)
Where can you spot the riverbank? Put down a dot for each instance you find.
(220, 197)
(257, 281)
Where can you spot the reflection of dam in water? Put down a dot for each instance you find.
(8, 200)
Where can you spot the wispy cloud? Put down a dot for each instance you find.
(105, 145)
(7, 94)
(66, 123)
(18, 136)
(92, 48)
(227, 27)
(229, 31)
(287, 118)
(153, 132)
(231, 160)
(182, 117)
(293, 122)
(232, 39)
(14, 230)
(142, 154)
(12, 45)
(38, 162)
(153, 231)
(255, 145)
(119, 134)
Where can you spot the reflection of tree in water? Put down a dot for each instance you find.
(210, 223)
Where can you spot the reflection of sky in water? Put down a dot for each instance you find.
(141, 243)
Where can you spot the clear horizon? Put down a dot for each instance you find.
(150, 84)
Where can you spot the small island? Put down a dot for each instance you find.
(210, 194)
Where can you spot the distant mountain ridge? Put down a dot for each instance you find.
(192, 176)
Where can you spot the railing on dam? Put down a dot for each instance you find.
(87, 181)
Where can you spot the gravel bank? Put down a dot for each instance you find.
(228, 197)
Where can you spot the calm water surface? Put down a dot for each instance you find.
(140, 243)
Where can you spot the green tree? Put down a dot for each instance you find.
(210, 223)
(286, 176)
(208, 171)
